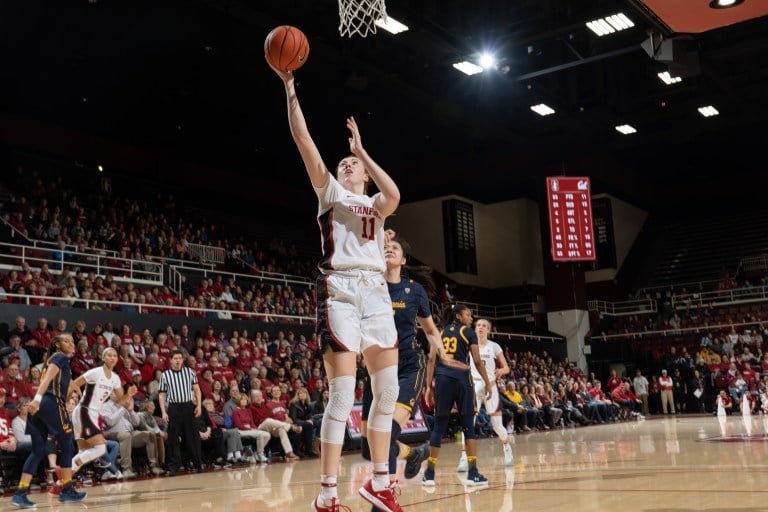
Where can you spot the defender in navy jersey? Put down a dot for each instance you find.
(49, 416)
(454, 386)
(409, 288)
(354, 312)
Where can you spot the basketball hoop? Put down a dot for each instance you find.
(360, 16)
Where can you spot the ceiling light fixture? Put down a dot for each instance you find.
(391, 25)
(468, 68)
(542, 109)
(669, 79)
(724, 4)
(625, 129)
(487, 61)
(610, 24)
(708, 111)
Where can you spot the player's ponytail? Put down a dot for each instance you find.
(451, 311)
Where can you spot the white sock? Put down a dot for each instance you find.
(380, 480)
(328, 490)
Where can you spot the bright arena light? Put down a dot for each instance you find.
(487, 61)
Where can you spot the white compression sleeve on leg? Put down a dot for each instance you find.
(385, 388)
(341, 398)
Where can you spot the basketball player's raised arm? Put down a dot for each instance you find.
(389, 194)
(316, 169)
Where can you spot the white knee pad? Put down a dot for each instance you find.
(385, 388)
(341, 398)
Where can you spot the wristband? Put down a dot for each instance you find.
(38, 397)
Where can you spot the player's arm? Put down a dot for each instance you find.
(122, 398)
(389, 195)
(316, 169)
(74, 387)
(503, 367)
(474, 350)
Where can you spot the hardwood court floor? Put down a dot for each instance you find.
(681, 463)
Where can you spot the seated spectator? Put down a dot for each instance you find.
(511, 402)
(8, 442)
(272, 418)
(243, 420)
(300, 412)
(233, 443)
(14, 385)
(120, 423)
(17, 352)
(629, 403)
(19, 424)
(148, 422)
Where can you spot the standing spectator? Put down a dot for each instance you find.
(180, 404)
(640, 384)
(698, 390)
(352, 282)
(49, 416)
(667, 386)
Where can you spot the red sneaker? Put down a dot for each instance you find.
(56, 488)
(384, 500)
(335, 507)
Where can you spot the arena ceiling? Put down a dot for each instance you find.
(186, 80)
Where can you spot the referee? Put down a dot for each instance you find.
(175, 394)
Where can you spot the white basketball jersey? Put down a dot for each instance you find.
(488, 355)
(98, 388)
(351, 230)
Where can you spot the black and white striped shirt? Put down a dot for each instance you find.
(178, 385)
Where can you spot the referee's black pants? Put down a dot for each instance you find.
(182, 424)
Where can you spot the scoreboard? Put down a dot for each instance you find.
(570, 219)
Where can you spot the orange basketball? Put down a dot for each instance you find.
(286, 48)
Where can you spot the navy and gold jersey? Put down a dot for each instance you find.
(60, 383)
(409, 300)
(457, 339)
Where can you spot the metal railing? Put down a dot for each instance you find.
(206, 253)
(757, 263)
(143, 308)
(47, 244)
(623, 308)
(121, 269)
(503, 312)
(720, 297)
(262, 277)
(674, 332)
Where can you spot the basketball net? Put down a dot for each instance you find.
(359, 16)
